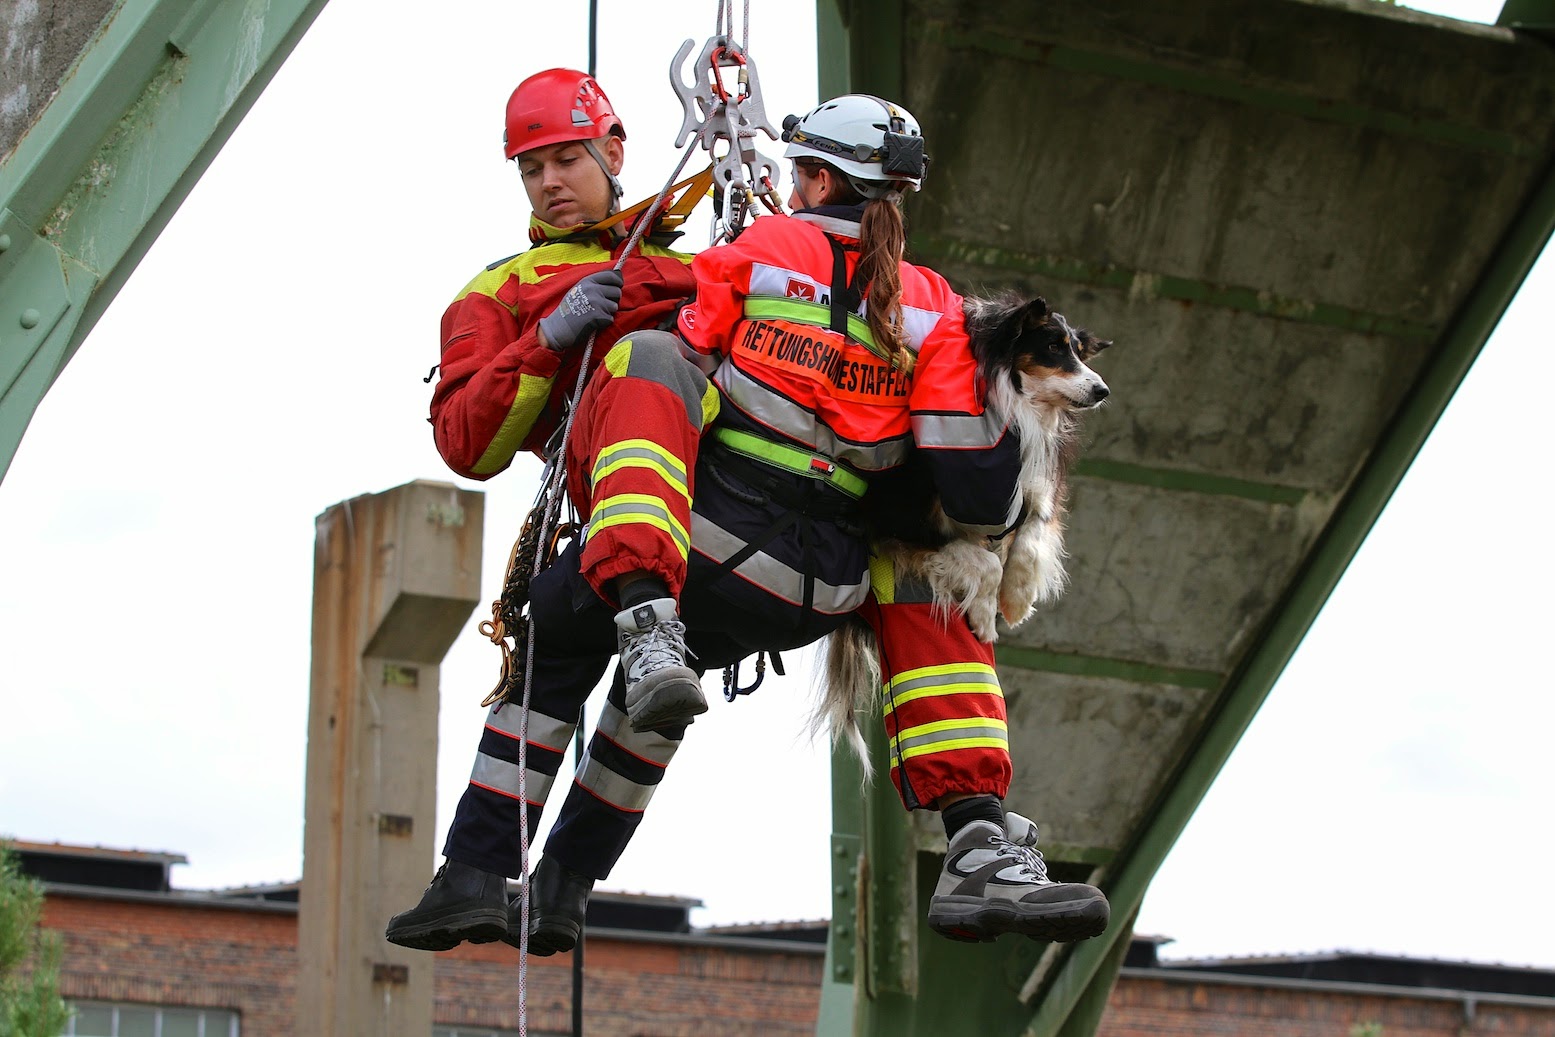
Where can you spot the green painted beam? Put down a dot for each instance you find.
(93, 182)
(936, 249)
(1117, 669)
(1038, 51)
(1191, 482)
(1396, 450)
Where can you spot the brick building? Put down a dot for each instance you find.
(142, 959)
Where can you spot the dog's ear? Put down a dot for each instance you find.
(1033, 313)
(1090, 345)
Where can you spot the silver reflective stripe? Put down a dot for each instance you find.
(781, 414)
(502, 777)
(916, 325)
(669, 467)
(773, 576)
(958, 431)
(984, 681)
(616, 511)
(612, 787)
(646, 745)
(786, 284)
(543, 730)
(954, 734)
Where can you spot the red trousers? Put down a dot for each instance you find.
(945, 721)
(631, 457)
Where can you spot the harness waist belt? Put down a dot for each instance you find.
(792, 459)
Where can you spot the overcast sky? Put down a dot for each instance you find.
(265, 362)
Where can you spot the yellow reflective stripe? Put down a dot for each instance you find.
(951, 746)
(528, 402)
(618, 358)
(767, 307)
(793, 459)
(710, 404)
(642, 453)
(944, 679)
(558, 254)
(941, 670)
(936, 726)
(901, 698)
(882, 579)
(625, 509)
(669, 460)
(940, 737)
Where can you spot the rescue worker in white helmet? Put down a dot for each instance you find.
(815, 405)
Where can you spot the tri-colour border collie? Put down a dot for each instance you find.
(1035, 366)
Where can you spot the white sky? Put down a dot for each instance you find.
(265, 361)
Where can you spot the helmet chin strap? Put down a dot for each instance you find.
(616, 190)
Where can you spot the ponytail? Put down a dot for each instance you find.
(882, 243)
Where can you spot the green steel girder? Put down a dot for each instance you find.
(1061, 992)
(1352, 521)
(135, 122)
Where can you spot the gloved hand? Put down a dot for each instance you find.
(589, 305)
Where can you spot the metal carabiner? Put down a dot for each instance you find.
(711, 114)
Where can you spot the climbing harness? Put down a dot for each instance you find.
(713, 114)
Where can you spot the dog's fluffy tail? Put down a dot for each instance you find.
(850, 683)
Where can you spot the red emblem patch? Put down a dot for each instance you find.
(798, 289)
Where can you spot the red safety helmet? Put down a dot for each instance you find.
(557, 105)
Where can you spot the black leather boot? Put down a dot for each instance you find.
(461, 903)
(559, 904)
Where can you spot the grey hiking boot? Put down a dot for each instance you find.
(661, 690)
(996, 882)
(461, 903)
(557, 912)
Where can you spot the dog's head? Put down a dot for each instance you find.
(1044, 357)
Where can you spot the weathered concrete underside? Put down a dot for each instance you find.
(1298, 220)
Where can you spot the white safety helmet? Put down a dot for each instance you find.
(876, 144)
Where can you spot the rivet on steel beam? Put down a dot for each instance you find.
(5, 242)
(841, 891)
(843, 931)
(30, 318)
(842, 972)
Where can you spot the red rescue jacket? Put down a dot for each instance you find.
(501, 390)
(763, 306)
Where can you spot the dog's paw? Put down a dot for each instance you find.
(965, 577)
(983, 617)
(1015, 610)
(1018, 596)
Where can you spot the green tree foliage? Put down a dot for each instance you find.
(30, 1005)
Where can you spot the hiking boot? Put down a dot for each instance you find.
(661, 690)
(461, 903)
(995, 881)
(556, 912)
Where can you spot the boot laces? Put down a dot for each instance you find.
(661, 645)
(1027, 856)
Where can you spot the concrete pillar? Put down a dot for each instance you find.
(396, 576)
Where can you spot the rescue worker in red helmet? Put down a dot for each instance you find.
(771, 538)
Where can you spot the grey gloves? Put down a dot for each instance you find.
(588, 306)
